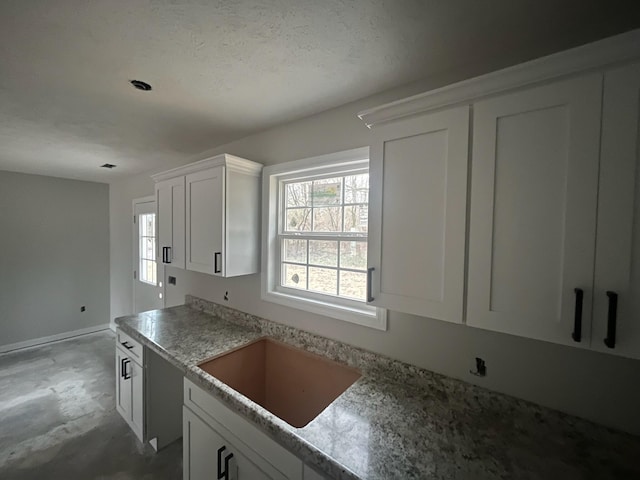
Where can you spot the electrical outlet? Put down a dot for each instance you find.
(83, 308)
(226, 296)
(481, 368)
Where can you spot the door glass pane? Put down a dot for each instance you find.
(147, 248)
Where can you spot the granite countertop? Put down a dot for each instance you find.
(397, 421)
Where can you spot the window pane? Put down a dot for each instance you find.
(294, 276)
(149, 248)
(356, 218)
(323, 253)
(298, 220)
(327, 219)
(353, 255)
(353, 285)
(299, 194)
(327, 191)
(356, 188)
(295, 251)
(323, 280)
(149, 224)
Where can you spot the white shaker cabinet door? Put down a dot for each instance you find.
(205, 221)
(617, 276)
(418, 191)
(170, 221)
(207, 455)
(534, 180)
(123, 385)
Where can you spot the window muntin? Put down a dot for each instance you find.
(322, 235)
(147, 248)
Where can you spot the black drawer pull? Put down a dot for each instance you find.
(126, 375)
(216, 267)
(223, 474)
(577, 321)
(612, 315)
(127, 346)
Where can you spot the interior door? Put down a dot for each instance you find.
(534, 186)
(147, 278)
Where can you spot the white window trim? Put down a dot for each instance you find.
(347, 311)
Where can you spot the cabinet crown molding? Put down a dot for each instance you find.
(236, 163)
(593, 56)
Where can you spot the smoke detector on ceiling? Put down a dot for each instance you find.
(140, 85)
(108, 165)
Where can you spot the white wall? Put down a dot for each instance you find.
(54, 256)
(592, 385)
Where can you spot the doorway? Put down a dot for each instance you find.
(147, 276)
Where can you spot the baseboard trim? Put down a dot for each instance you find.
(12, 347)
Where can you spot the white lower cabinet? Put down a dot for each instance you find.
(209, 455)
(130, 390)
(218, 443)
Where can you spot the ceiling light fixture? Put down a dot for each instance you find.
(108, 165)
(140, 85)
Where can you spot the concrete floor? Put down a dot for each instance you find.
(58, 418)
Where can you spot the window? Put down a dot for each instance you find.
(315, 253)
(147, 248)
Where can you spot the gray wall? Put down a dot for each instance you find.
(591, 385)
(54, 256)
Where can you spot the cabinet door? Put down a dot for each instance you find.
(170, 198)
(417, 219)
(618, 240)
(205, 221)
(136, 381)
(202, 459)
(533, 209)
(123, 387)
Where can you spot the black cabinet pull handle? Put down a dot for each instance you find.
(126, 345)
(164, 254)
(216, 267)
(126, 374)
(122, 367)
(610, 341)
(223, 474)
(369, 280)
(577, 322)
(169, 255)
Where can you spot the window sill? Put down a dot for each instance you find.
(371, 317)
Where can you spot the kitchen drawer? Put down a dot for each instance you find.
(133, 348)
(239, 431)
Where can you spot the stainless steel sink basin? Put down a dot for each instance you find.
(291, 383)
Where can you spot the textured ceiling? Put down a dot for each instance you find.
(224, 69)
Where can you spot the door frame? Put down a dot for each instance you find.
(134, 246)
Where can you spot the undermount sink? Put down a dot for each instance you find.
(291, 383)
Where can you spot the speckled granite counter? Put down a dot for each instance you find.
(397, 421)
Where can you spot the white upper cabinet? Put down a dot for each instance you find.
(534, 190)
(617, 273)
(170, 221)
(220, 228)
(205, 221)
(418, 192)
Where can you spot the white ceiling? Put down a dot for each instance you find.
(224, 69)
